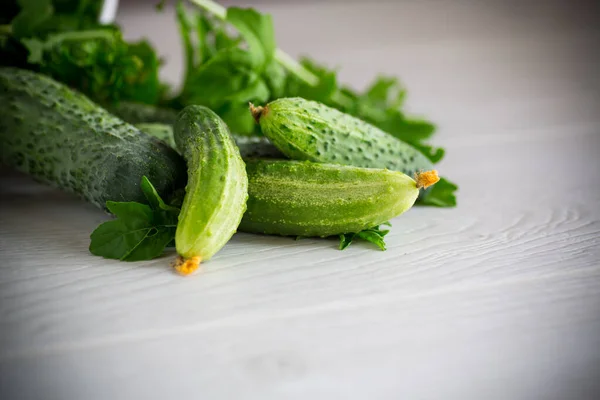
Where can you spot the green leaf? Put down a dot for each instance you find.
(442, 194)
(100, 64)
(227, 73)
(257, 30)
(346, 240)
(154, 199)
(35, 47)
(153, 244)
(237, 117)
(139, 232)
(185, 31)
(322, 92)
(434, 154)
(32, 15)
(385, 90)
(374, 235)
(117, 238)
(275, 78)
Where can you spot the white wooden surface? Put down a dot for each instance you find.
(496, 299)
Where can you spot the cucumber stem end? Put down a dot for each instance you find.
(426, 179)
(187, 266)
(257, 112)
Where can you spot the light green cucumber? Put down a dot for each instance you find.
(311, 199)
(61, 138)
(249, 146)
(311, 131)
(217, 187)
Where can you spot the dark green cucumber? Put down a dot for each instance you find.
(217, 187)
(308, 130)
(137, 113)
(312, 199)
(61, 138)
(257, 147)
(249, 146)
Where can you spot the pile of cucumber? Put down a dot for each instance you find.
(316, 172)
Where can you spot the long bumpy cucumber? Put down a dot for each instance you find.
(137, 113)
(249, 146)
(308, 130)
(311, 199)
(61, 138)
(217, 187)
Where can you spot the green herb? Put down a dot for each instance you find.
(442, 194)
(63, 39)
(100, 64)
(139, 232)
(374, 235)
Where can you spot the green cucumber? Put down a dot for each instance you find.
(160, 131)
(137, 113)
(257, 147)
(311, 199)
(250, 146)
(311, 131)
(217, 187)
(61, 138)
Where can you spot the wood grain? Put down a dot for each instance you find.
(496, 299)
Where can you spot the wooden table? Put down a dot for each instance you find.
(496, 299)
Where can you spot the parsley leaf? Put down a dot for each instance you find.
(100, 64)
(374, 235)
(139, 232)
(33, 13)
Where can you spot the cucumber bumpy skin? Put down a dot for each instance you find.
(311, 131)
(61, 138)
(310, 199)
(217, 188)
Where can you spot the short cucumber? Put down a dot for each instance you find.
(308, 130)
(217, 187)
(312, 199)
(249, 146)
(61, 138)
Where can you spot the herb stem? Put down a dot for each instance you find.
(80, 35)
(287, 61)
(216, 9)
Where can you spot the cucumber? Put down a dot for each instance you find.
(257, 147)
(311, 131)
(61, 138)
(217, 187)
(160, 131)
(137, 113)
(303, 198)
(249, 146)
